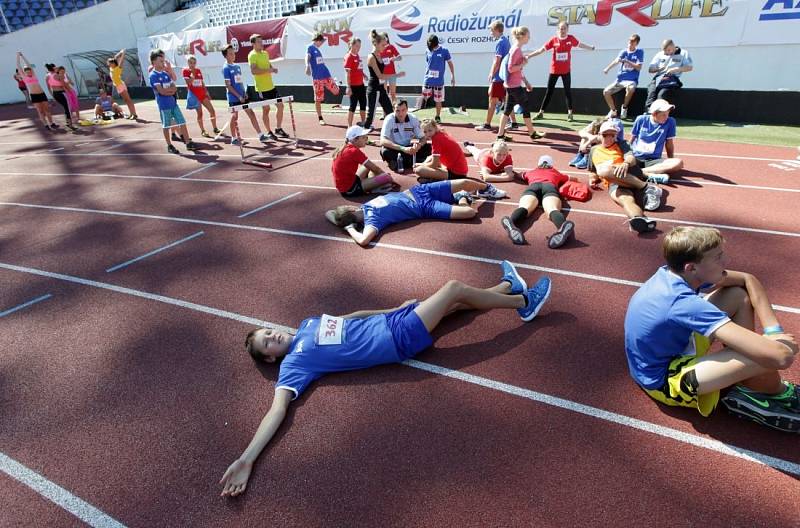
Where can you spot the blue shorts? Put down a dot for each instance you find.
(409, 333)
(170, 114)
(391, 79)
(434, 199)
(191, 101)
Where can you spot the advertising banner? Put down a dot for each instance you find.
(205, 44)
(271, 30)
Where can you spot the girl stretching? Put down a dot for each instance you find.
(71, 93)
(38, 97)
(445, 200)
(517, 86)
(56, 87)
(364, 339)
(115, 69)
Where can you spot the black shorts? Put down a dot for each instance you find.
(271, 94)
(453, 176)
(356, 190)
(38, 98)
(541, 189)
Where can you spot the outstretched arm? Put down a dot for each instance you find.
(236, 476)
(536, 52)
(119, 57)
(589, 47)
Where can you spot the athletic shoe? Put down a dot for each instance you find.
(657, 178)
(133, 117)
(491, 192)
(511, 276)
(281, 133)
(561, 236)
(236, 142)
(577, 159)
(611, 114)
(641, 224)
(176, 137)
(272, 136)
(171, 149)
(483, 128)
(321, 121)
(582, 163)
(652, 197)
(468, 144)
(191, 145)
(438, 120)
(263, 137)
(537, 135)
(54, 127)
(205, 134)
(623, 114)
(540, 115)
(514, 234)
(505, 138)
(569, 116)
(462, 194)
(513, 126)
(779, 411)
(217, 132)
(535, 299)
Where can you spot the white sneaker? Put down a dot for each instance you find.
(623, 114)
(652, 198)
(611, 114)
(491, 192)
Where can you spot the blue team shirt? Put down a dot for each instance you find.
(662, 315)
(392, 208)
(318, 69)
(651, 136)
(336, 345)
(233, 74)
(162, 78)
(501, 49)
(626, 73)
(436, 59)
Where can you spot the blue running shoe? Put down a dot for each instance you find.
(578, 157)
(582, 163)
(535, 297)
(511, 276)
(462, 194)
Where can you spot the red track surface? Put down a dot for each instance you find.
(137, 406)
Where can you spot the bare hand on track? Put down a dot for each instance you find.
(235, 478)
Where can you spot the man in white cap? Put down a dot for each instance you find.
(623, 178)
(351, 167)
(543, 184)
(652, 135)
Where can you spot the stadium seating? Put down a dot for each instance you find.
(227, 12)
(23, 13)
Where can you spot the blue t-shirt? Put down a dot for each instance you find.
(662, 315)
(162, 78)
(651, 136)
(106, 104)
(233, 74)
(318, 69)
(626, 73)
(436, 59)
(501, 49)
(332, 344)
(389, 209)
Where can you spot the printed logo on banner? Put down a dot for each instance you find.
(646, 13)
(780, 10)
(200, 46)
(335, 29)
(235, 43)
(407, 29)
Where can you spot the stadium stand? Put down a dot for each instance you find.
(16, 15)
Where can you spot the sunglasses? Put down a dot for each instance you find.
(610, 134)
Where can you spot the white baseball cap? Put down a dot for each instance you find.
(545, 160)
(354, 132)
(608, 125)
(661, 105)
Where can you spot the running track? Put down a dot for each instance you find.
(126, 393)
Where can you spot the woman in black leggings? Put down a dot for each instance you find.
(56, 87)
(376, 89)
(561, 63)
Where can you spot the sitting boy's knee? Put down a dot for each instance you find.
(678, 164)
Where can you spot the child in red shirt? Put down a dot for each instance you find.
(389, 56)
(197, 95)
(351, 167)
(447, 162)
(355, 82)
(496, 163)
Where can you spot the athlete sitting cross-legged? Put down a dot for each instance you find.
(364, 339)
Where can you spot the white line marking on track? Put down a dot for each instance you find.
(56, 149)
(25, 305)
(56, 494)
(304, 234)
(155, 251)
(266, 206)
(634, 423)
(90, 142)
(118, 145)
(204, 167)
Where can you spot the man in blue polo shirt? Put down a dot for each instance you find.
(399, 132)
(363, 339)
(436, 57)
(164, 88)
(652, 135)
(630, 63)
(320, 75)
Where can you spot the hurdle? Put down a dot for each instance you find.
(253, 106)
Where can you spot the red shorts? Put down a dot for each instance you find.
(497, 90)
(319, 88)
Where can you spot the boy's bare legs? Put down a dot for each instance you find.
(455, 295)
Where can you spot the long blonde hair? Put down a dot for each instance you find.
(519, 32)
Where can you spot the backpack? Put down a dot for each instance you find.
(503, 71)
(575, 190)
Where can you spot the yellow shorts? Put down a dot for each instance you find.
(678, 394)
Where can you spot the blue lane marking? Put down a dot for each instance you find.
(25, 305)
(151, 253)
(257, 209)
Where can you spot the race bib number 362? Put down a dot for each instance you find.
(331, 330)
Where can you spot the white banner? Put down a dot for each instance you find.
(205, 44)
(772, 22)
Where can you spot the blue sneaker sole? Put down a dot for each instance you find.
(534, 313)
(517, 277)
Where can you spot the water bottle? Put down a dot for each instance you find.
(400, 162)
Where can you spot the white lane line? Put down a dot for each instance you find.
(348, 240)
(103, 150)
(204, 167)
(155, 251)
(91, 141)
(25, 305)
(666, 432)
(266, 206)
(56, 149)
(56, 494)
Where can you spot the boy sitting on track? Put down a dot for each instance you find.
(622, 177)
(351, 167)
(652, 135)
(164, 89)
(364, 339)
(105, 103)
(669, 328)
(445, 200)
